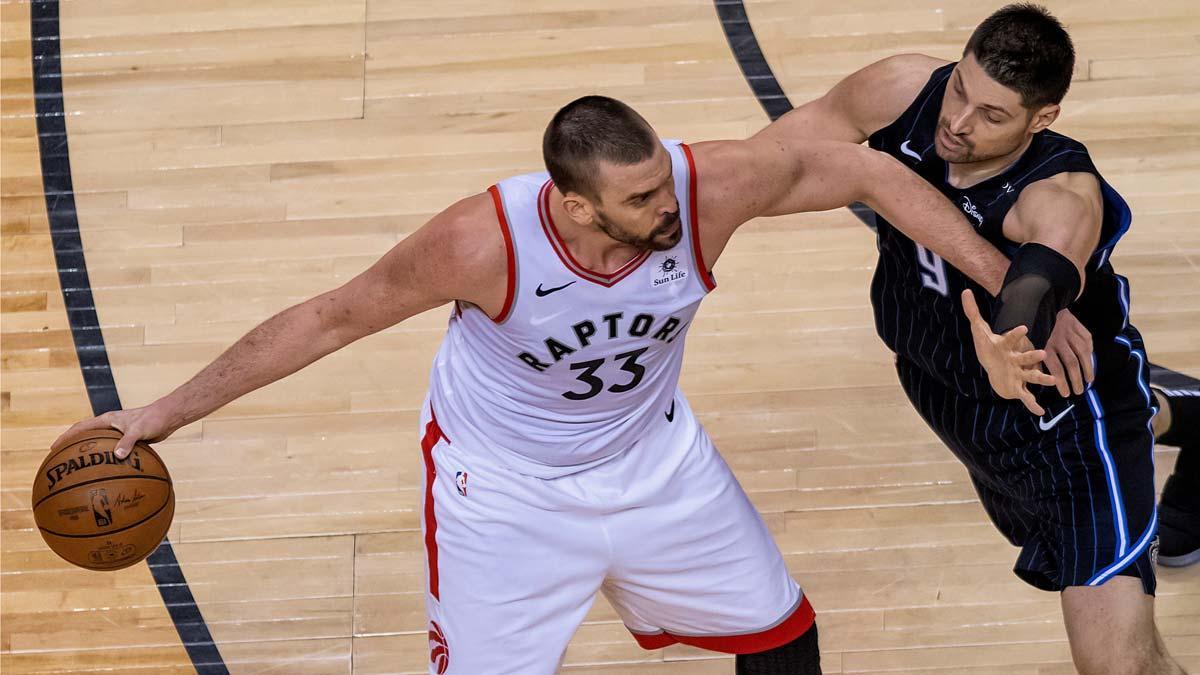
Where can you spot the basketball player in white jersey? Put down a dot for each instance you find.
(560, 457)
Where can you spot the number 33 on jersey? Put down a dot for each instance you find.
(589, 359)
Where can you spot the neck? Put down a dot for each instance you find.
(589, 245)
(973, 173)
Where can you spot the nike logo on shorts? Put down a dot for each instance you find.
(671, 412)
(541, 292)
(1047, 426)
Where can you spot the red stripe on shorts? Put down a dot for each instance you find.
(433, 434)
(787, 630)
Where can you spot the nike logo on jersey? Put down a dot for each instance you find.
(1047, 426)
(543, 292)
(906, 150)
(671, 412)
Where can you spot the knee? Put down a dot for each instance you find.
(1122, 657)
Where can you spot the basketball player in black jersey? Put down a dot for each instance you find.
(1070, 479)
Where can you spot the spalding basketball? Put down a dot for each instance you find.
(100, 512)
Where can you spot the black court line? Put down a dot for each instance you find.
(744, 45)
(81, 309)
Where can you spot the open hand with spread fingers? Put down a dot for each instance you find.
(1011, 362)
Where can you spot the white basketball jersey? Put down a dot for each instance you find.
(579, 363)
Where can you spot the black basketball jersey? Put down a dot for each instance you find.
(915, 294)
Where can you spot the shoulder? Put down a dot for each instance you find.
(1069, 190)
(461, 250)
(712, 159)
(470, 227)
(879, 94)
(727, 173)
(721, 166)
(474, 234)
(904, 72)
(1068, 198)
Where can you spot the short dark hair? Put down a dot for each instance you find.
(589, 130)
(1023, 47)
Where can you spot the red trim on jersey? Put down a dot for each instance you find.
(706, 275)
(564, 253)
(433, 434)
(511, 291)
(789, 629)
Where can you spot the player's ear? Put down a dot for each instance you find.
(579, 208)
(1043, 117)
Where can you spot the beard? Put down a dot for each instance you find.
(966, 152)
(958, 154)
(662, 238)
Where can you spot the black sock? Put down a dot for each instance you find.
(1188, 462)
(1185, 418)
(1182, 490)
(798, 657)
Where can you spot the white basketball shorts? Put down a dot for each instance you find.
(663, 529)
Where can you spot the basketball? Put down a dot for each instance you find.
(98, 512)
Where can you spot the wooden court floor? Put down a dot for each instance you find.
(232, 158)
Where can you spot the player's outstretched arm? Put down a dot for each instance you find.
(454, 256)
(770, 177)
(873, 98)
(861, 104)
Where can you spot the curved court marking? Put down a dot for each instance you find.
(746, 50)
(744, 45)
(81, 309)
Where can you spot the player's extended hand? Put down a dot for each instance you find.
(1069, 354)
(150, 423)
(1011, 362)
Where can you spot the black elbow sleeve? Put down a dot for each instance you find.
(1040, 283)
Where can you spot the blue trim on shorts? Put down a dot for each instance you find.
(1144, 384)
(1110, 473)
(1123, 562)
(1123, 298)
(1142, 381)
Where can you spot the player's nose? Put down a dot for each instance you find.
(959, 124)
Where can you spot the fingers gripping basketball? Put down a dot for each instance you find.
(98, 511)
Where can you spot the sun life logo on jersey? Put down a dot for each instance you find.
(669, 271)
(460, 482)
(969, 208)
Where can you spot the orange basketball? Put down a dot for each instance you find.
(98, 512)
